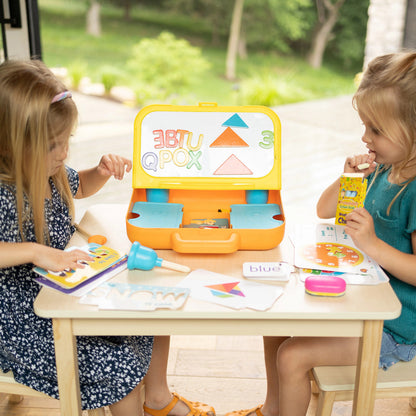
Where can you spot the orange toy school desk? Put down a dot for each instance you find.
(360, 312)
(206, 179)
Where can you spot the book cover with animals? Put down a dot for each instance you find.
(352, 190)
(103, 259)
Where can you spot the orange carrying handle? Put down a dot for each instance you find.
(229, 245)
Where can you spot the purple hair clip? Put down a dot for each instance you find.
(61, 96)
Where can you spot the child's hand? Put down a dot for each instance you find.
(354, 164)
(57, 260)
(360, 227)
(114, 165)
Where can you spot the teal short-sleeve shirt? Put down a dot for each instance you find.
(396, 229)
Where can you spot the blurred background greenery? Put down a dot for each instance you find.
(176, 51)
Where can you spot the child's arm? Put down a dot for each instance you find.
(360, 227)
(15, 254)
(92, 180)
(327, 204)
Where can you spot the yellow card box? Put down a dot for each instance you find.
(351, 195)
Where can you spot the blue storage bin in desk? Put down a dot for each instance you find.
(255, 216)
(157, 215)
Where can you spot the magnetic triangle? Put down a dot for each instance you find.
(233, 166)
(235, 121)
(228, 138)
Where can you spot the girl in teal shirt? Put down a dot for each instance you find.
(385, 229)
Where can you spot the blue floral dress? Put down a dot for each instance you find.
(109, 367)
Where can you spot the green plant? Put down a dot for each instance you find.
(109, 77)
(270, 90)
(76, 71)
(167, 63)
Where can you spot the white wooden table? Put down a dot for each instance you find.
(360, 312)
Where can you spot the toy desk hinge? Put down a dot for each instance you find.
(207, 104)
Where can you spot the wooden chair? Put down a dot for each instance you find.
(336, 383)
(16, 390)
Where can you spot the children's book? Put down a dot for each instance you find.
(236, 293)
(129, 296)
(105, 263)
(328, 247)
(352, 190)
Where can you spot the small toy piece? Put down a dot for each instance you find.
(97, 239)
(325, 286)
(145, 258)
(363, 166)
(208, 223)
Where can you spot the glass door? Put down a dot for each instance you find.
(20, 34)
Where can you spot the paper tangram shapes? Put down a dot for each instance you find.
(226, 290)
(229, 138)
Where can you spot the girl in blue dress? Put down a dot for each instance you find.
(37, 117)
(385, 229)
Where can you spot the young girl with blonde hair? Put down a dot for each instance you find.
(385, 229)
(37, 117)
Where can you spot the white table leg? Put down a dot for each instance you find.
(67, 367)
(367, 366)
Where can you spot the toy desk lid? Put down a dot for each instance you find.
(207, 147)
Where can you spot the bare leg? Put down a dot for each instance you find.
(157, 390)
(297, 356)
(158, 394)
(271, 403)
(129, 405)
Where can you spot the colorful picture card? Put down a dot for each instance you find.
(236, 293)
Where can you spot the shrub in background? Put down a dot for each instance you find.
(167, 63)
(110, 77)
(76, 71)
(269, 90)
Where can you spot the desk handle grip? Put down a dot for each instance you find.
(181, 245)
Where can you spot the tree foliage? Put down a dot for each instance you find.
(348, 43)
(283, 26)
(328, 13)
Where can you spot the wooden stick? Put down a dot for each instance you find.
(174, 266)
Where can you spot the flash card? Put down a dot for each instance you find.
(270, 271)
